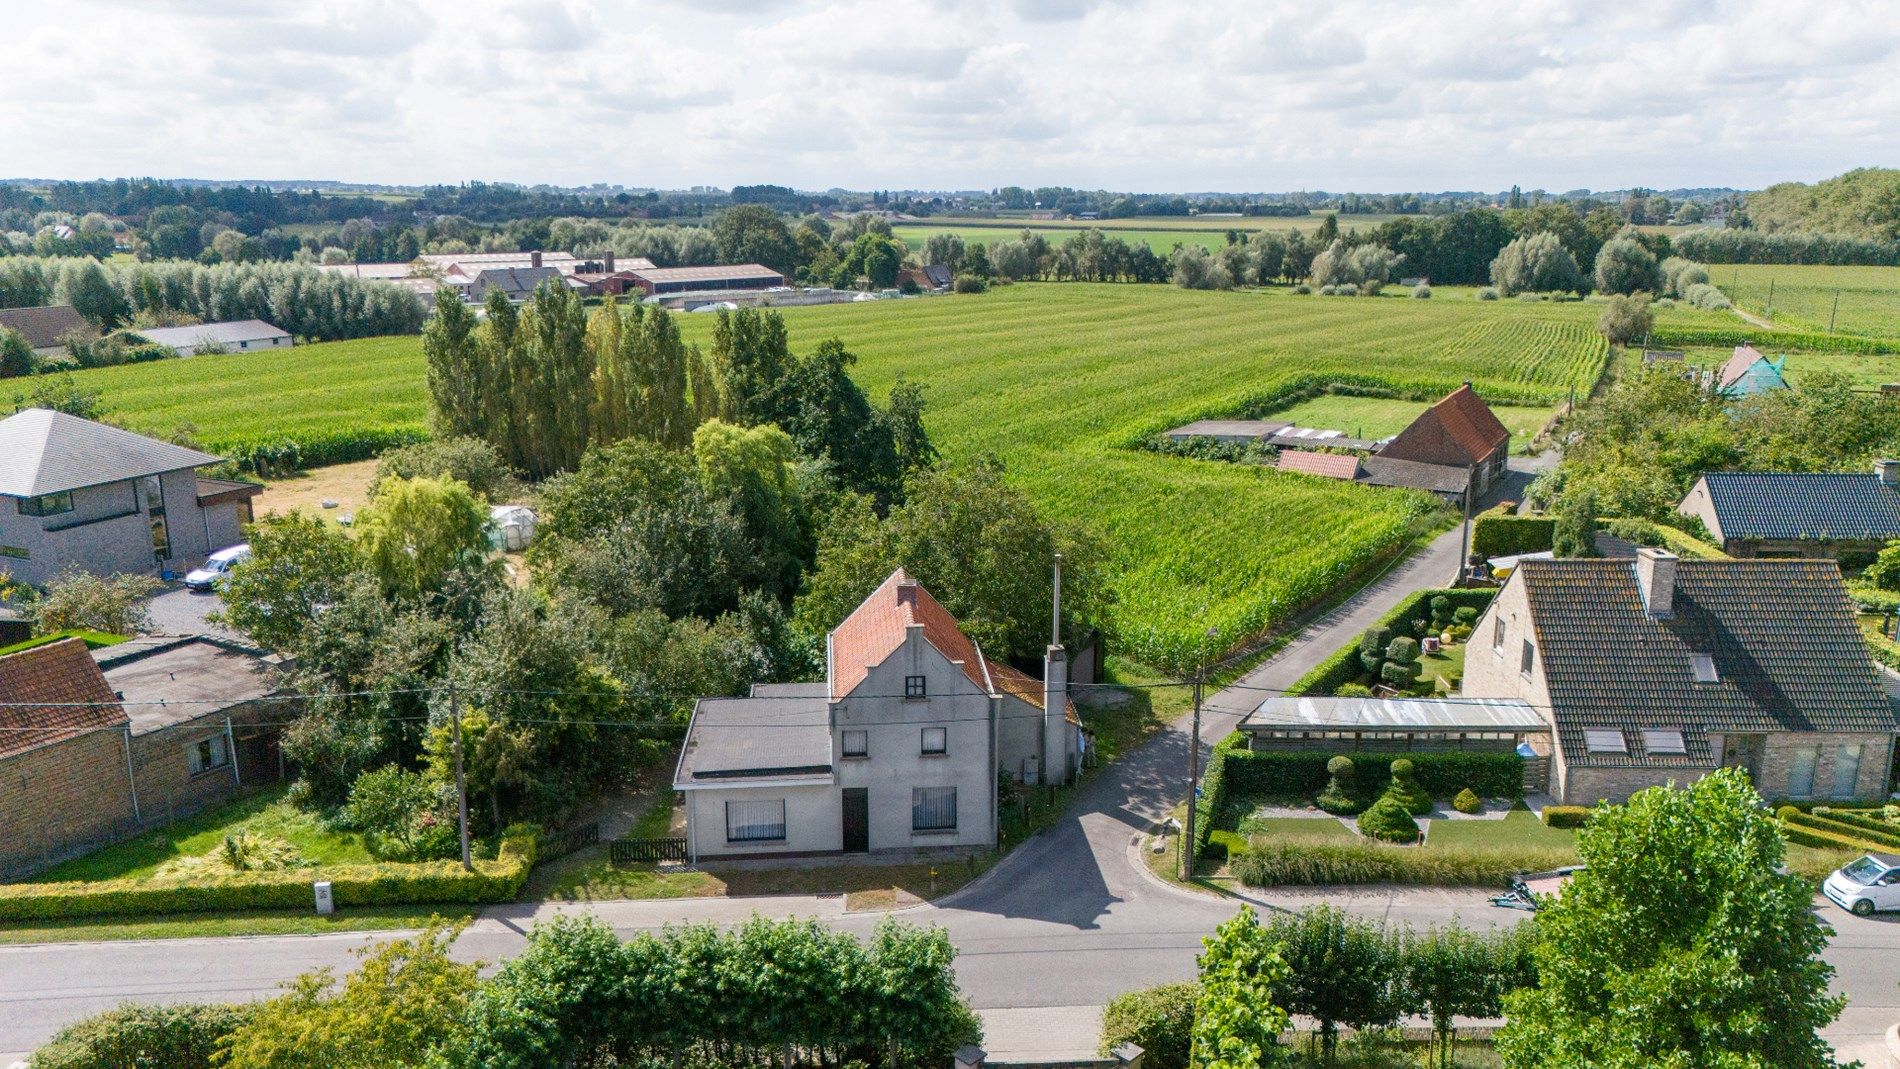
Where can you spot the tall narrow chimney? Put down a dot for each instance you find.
(534, 258)
(1056, 757)
(1889, 472)
(1656, 580)
(608, 261)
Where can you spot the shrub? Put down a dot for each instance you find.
(1328, 291)
(384, 884)
(1487, 293)
(1302, 288)
(1159, 1020)
(1493, 535)
(1422, 292)
(1283, 862)
(1707, 297)
(142, 1037)
(1339, 798)
(1868, 830)
(1388, 821)
(1352, 690)
(1404, 789)
(471, 460)
(1625, 320)
(1467, 801)
(1346, 289)
(1401, 668)
(1344, 666)
(967, 283)
(1565, 816)
(1465, 617)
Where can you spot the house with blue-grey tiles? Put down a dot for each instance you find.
(1844, 516)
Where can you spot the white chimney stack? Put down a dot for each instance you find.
(1055, 694)
(1656, 580)
(1888, 471)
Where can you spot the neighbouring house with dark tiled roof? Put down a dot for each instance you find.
(1460, 431)
(97, 746)
(109, 501)
(46, 327)
(1659, 670)
(1834, 515)
(900, 747)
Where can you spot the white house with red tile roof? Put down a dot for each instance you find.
(899, 747)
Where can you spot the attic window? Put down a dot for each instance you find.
(1604, 740)
(1704, 666)
(1664, 742)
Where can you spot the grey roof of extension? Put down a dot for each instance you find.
(1821, 505)
(45, 325)
(1782, 634)
(47, 452)
(1395, 715)
(166, 680)
(779, 731)
(229, 333)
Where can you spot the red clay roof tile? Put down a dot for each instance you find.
(64, 676)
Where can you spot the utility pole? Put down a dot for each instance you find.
(1194, 776)
(1770, 308)
(1836, 311)
(1464, 531)
(461, 783)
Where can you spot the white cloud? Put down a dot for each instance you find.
(1130, 94)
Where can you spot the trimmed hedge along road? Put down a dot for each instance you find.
(384, 884)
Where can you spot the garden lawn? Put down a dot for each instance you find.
(1380, 417)
(1060, 380)
(222, 925)
(1297, 828)
(265, 813)
(1519, 828)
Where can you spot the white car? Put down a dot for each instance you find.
(1867, 885)
(216, 568)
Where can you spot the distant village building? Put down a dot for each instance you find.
(46, 327)
(1459, 431)
(237, 336)
(515, 283)
(659, 281)
(1748, 373)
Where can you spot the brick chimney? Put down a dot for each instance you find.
(1889, 472)
(1656, 580)
(534, 258)
(1055, 693)
(608, 261)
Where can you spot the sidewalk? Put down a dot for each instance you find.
(1042, 1033)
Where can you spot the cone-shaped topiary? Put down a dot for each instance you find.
(1405, 790)
(1337, 798)
(1467, 801)
(1387, 820)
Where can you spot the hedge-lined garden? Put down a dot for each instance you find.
(1497, 534)
(380, 884)
(1840, 829)
(1344, 666)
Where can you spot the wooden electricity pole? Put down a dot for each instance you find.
(461, 783)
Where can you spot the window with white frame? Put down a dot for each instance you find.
(857, 743)
(933, 809)
(1801, 762)
(755, 821)
(936, 741)
(1846, 771)
(207, 754)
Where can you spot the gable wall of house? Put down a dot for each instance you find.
(1699, 504)
(1019, 742)
(1492, 668)
(59, 801)
(895, 764)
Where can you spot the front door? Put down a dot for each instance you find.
(857, 820)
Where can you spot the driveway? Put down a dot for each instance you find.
(177, 611)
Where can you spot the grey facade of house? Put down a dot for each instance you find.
(74, 492)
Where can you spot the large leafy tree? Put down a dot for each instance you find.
(1453, 972)
(298, 566)
(1625, 265)
(975, 542)
(1238, 1021)
(460, 379)
(425, 539)
(1681, 944)
(755, 468)
(754, 234)
(1342, 970)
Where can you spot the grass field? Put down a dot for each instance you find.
(1161, 233)
(1868, 370)
(1520, 827)
(263, 814)
(1059, 380)
(1804, 295)
(1377, 417)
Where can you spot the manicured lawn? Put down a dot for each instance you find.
(1378, 417)
(211, 925)
(1448, 663)
(1297, 828)
(864, 886)
(1520, 827)
(262, 814)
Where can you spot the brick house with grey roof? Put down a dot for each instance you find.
(899, 747)
(1833, 515)
(1661, 670)
(106, 500)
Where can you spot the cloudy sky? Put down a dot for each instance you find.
(946, 94)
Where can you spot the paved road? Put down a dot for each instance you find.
(1065, 923)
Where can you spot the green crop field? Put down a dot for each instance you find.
(1804, 296)
(1162, 233)
(1060, 380)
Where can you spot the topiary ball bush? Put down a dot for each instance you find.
(1388, 821)
(1467, 801)
(1337, 798)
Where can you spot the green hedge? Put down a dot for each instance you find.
(383, 884)
(1878, 836)
(143, 1037)
(1342, 666)
(1272, 863)
(1565, 816)
(1863, 819)
(1495, 535)
(1826, 840)
(1769, 340)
